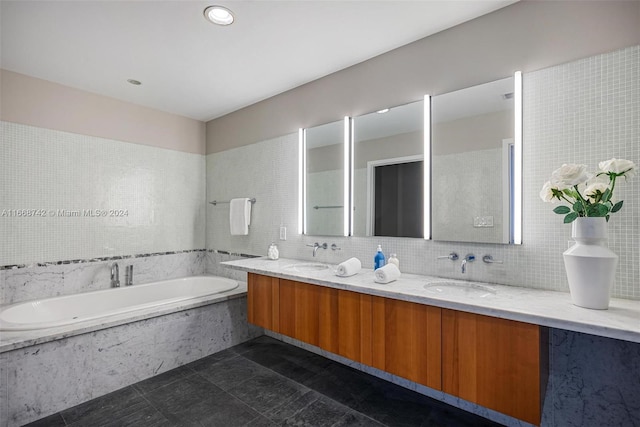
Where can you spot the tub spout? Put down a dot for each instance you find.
(115, 275)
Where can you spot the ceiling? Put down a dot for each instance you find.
(193, 68)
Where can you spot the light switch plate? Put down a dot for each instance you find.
(283, 233)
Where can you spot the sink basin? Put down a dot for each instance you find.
(307, 267)
(455, 288)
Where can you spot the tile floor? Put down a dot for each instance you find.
(263, 382)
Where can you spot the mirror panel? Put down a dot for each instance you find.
(323, 179)
(474, 164)
(388, 172)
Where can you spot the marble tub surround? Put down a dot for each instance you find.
(60, 278)
(47, 377)
(11, 340)
(546, 308)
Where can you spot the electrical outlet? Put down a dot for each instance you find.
(283, 233)
(483, 221)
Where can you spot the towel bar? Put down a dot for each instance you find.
(215, 202)
(327, 207)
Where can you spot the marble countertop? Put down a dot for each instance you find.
(12, 340)
(541, 307)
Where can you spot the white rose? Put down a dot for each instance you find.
(592, 190)
(619, 166)
(569, 175)
(546, 194)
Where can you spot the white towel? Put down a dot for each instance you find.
(239, 216)
(349, 267)
(387, 274)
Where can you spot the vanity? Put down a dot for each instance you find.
(489, 348)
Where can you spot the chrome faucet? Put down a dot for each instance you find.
(115, 275)
(317, 246)
(468, 258)
(128, 275)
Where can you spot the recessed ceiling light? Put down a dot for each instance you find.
(219, 15)
(134, 82)
(384, 110)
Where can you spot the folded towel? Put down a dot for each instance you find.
(349, 267)
(239, 216)
(386, 274)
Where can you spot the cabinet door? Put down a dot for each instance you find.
(299, 311)
(407, 340)
(263, 301)
(354, 326)
(497, 363)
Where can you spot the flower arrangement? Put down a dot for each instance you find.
(588, 195)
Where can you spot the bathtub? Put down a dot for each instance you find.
(93, 343)
(71, 309)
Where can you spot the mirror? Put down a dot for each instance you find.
(323, 179)
(475, 163)
(388, 172)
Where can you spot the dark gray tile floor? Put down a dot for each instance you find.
(263, 382)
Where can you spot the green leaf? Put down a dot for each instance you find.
(600, 209)
(616, 207)
(570, 218)
(608, 216)
(606, 195)
(562, 210)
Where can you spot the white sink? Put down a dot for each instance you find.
(459, 288)
(307, 267)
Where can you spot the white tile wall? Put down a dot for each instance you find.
(162, 191)
(584, 111)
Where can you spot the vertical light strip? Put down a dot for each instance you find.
(352, 144)
(427, 167)
(347, 177)
(302, 202)
(517, 161)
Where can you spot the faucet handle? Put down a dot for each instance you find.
(335, 247)
(315, 245)
(470, 257)
(489, 260)
(452, 256)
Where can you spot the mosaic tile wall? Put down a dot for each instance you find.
(585, 111)
(67, 196)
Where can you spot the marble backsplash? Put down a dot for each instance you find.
(57, 279)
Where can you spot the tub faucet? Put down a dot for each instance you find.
(115, 275)
(128, 275)
(468, 258)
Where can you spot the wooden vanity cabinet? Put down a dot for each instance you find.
(497, 363)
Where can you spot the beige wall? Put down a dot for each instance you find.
(35, 102)
(528, 35)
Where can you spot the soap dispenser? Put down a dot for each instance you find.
(272, 252)
(379, 259)
(393, 259)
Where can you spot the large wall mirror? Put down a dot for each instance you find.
(476, 161)
(388, 172)
(324, 155)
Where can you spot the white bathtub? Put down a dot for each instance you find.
(66, 310)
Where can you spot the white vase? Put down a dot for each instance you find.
(590, 264)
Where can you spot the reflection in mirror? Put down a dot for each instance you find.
(324, 178)
(388, 172)
(474, 164)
